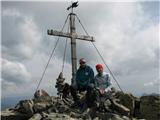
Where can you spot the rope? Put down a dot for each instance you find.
(107, 67)
(82, 25)
(101, 56)
(65, 49)
(64, 55)
(50, 56)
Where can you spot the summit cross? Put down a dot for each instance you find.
(73, 36)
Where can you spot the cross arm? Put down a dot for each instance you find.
(69, 35)
(87, 38)
(57, 33)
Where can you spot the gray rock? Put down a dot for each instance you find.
(40, 93)
(125, 118)
(137, 108)
(25, 106)
(45, 99)
(42, 106)
(150, 107)
(36, 117)
(13, 115)
(107, 105)
(108, 116)
(78, 116)
(54, 108)
(56, 116)
(126, 99)
(120, 108)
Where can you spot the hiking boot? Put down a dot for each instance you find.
(76, 104)
(97, 104)
(83, 108)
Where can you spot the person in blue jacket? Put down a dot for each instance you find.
(84, 80)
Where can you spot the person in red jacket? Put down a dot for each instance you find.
(102, 85)
(102, 79)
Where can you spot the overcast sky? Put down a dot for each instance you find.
(127, 35)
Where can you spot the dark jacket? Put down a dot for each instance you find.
(85, 76)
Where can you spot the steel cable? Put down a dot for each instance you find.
(65, 49)
(100, 55)
(51, 56)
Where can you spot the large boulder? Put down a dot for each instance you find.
(110, 116)
(56, 116)
(150, 107)
(25, 107)
(137, 108)
(49, 99)
(120, 109)
(10, 114)
(42, 106)
(44, 103)
(40, 93)
(126, 99)
(35, 105)
(36, 116)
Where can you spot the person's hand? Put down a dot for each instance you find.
(102, 91)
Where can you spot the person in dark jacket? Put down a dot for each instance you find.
(84, 80)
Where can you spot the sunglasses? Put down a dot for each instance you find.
(82, 62)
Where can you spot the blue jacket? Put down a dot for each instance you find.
(85, 76)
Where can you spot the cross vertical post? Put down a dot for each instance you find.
(73, 46)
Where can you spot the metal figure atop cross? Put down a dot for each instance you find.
(75, 4)
(73, 36)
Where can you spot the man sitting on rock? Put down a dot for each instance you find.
(84, 81)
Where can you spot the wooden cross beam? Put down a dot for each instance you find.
(73, 36)
(69, 35)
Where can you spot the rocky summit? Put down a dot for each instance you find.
(123, 106)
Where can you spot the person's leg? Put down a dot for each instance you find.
(90, 97)
(97, 98)
(74, 93)
(94, 104)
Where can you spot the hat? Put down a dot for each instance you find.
(98, 66)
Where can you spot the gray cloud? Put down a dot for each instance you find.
(14, 72)
(125, 33)
(23, 38)
(14, 76)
